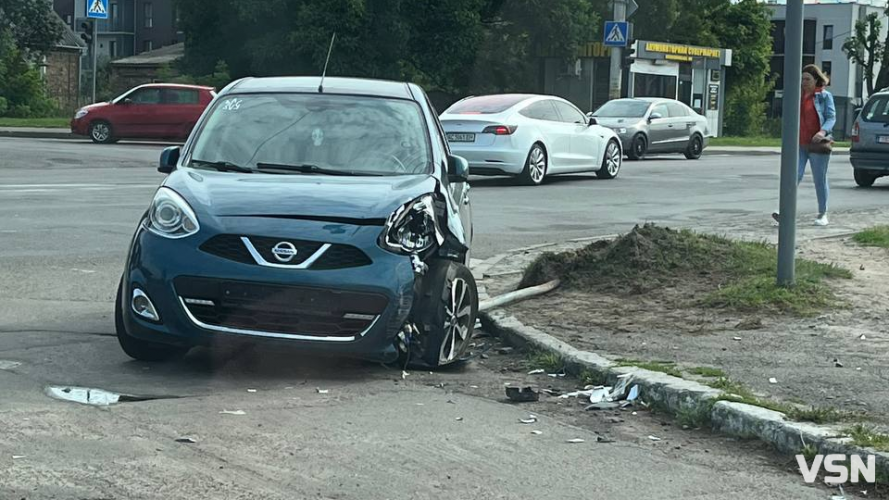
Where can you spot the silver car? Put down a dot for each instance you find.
(870, 140)
(654, 125)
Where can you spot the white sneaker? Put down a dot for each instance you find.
(822, 220)
(776, 216)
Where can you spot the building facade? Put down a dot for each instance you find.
(826, 26)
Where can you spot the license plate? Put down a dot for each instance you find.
(883, 139)
(461, 137)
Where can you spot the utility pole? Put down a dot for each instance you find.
(95, 59)
(616, 73)
(793, 61)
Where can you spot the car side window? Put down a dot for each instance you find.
(439, 131)
(541, 110)
(661, 109)
(181, 96)
(569, 114)
(677, 110)
(146, 96)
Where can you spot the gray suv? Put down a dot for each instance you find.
(870, 140)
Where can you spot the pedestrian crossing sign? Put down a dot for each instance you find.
(97, 9)
(616, 33)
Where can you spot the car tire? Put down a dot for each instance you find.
(638, 147)
(695, 147)
(536, 166)
(611, 161)
(447, 309)
(101, 132)
(863, 178)
(140, 349)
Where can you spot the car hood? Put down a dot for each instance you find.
(98, 105)
(368, 199)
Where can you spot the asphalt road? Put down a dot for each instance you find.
(67, 211)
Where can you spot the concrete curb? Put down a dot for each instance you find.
(31, 134)
(740, 151)
(676, 396)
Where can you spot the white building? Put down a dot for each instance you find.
(826, 26)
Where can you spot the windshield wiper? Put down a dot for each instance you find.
(306, 168)
(223, 166)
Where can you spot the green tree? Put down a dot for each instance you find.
(866, 49)
(32, 24)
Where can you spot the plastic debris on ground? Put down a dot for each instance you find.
(8, 365)
(473, 387)
(560, 374)
(537, 433)
(532, 419)
(736, 338)
(654, 438)
(634, 393)
(186, 440)
(535, 372)
(322, 391)
(575, 441)
(862, 337)
(773, 380)
(459, 419)
(404, 374)
(603, 405)
(232, 412)
(83, 395)
(522, 394)
(603, 439)
(251, 390)
(17, 457)
(837, 363)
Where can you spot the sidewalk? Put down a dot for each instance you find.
(755, 151)
(38, 133)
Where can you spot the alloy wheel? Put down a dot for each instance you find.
(537, 164)
(101, 132)
(612, 159)
(458, 313)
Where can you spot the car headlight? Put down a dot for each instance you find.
(170, 215)
(80, 114)
(412, 228)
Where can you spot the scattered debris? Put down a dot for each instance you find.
(737, 338)
(537, 433)
(251, 390)
(504, 350)
(862, 337)
(473, 387)
(17, 457)
(634, 413)
(603, 405)
(233, 412)
(773, 380)
(654, 438)
(861, 267)
(536, 371)
(8, 365)
(634, 393)
(599, 394)
(485, 356)
(575, 441)
(560, 374)
(836, 363)
(552, 392)
(603, 439)
(404, 374)
(459, 419)
(83, 395)
(186, 440)
(522, 394)
(321, 391)
(530, 420)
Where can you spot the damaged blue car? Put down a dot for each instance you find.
(325, 214)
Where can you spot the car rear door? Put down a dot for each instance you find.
(681, 126)
(873, 128)
(139, 114)
(556, 134)
(585, 143)
(659, 129)
(181, 109)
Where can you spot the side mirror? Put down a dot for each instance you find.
(655, 116)
(593, 121)
(169, 159)
(458, 169)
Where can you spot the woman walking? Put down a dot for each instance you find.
(817, 118)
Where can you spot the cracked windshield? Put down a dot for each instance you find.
(411, 249)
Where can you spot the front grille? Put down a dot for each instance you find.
(280, 309)
(231, 247)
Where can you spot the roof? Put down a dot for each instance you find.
(157, 57)
(332, 85)
(176, 86)
(69, 39)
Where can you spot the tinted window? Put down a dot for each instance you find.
(623, 108)
(486, 105)
(146, 96)
(541, 110)
(677, 110)
(877, 110)
(179, 96)
(569, 113)
(345, 133)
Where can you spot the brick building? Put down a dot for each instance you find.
(61, 70)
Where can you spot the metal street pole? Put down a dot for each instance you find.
(793, 61)
(95, 57)
(616, 73)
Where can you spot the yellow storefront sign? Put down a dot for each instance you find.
(594, 49)
(687, 51)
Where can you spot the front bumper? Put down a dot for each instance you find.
(256, 302)
(79, 126)
(869, 160)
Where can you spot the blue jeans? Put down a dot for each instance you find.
(819, 164)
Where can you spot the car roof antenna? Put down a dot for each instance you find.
(324, 73)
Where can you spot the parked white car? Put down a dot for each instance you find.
(530, 137)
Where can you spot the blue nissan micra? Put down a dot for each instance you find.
(327, 215)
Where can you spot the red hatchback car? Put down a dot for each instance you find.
(153, 111)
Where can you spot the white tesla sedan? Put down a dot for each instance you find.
(531, 137)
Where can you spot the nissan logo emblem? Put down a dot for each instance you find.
(284, 251)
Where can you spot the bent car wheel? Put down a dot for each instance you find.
(638, 147)
(447, 310)
(610, 162)
(535, 166)
(863, 178)
(100, 132)
(139, 349)
(695, 148)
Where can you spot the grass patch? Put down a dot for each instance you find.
(549, 361)
(724, 273)
(35, 122)
(867, 437)
(761, 142)
(589, 377)
(656, 366)
(739, 393)
(706, 371)
(696, 416)
(877, 236)
(825, 415)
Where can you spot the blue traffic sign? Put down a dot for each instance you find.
(616, 33)
(97, 9)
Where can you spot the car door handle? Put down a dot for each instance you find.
(466, 194)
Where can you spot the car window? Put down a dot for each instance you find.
(677, 110)
(484, 105)
(569, 113)
(181, 96)
(352, 134)
(661, 109)
(876, 110)
(146, 96)
(541, 110)
(623, 108)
